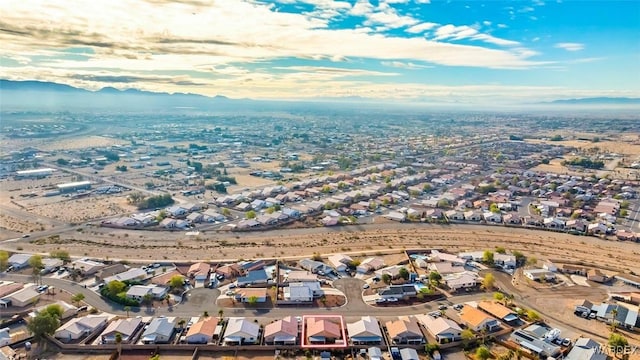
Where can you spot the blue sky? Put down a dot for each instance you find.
(401, 50)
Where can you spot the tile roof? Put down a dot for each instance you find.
(205, 326)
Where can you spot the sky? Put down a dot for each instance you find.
(476, 52)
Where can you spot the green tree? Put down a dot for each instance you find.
(431, 348)
(62, 255)
(252, 300)
(226, 212)
(386, 278)
(4, 260)
(41, 325)
(467, 337)
(404, 273)
(498, 296)
(115, 287)
(147, 299)
(36, 266)
(77, 298)
(118, 339)
(127, 309)
(435, 277)
(176, 282)
(487, 258)
(617, 343)
(494, 208)
(54, 310)
(532, 315)
(488, 281)
(483, 353)
(501, 250)
(250, 214)
(220, 314)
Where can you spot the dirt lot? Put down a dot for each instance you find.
(354, 240)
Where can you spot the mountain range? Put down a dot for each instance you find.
(39, 95)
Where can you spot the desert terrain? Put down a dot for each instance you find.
(381, 236)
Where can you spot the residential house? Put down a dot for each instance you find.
(586, 349)
(229, 271)
(370, 264)
(241, 331)
(298, 292)
(177, 211)
(129, 275)
(110, 271)
(505, 260)
(553, 223)
(512, 219)
(492, 217)
(472, 215)
(125, 327)
(78, 328)
(322, 331)
(409, 354)
(477, 320)
(68, 310)
(199, 271)
(394, 271)
(365, 331)
(195, 218)
(140, 292)
(159, 331)
(597, 276)
(374, 353)
(618, 314)
(445, 268)
(463, 280)
(597, 229)
(254, 277)
(19, 261)
(539, 274)
(50, 264)
(498, 310)
(572, 269)
(202, 331)
(340, 261)
(444, 330)
(291, 213)
(316, 267)
(578, 225)
(27, 296)
(454, 215)
(7, 353)
(300, 276)
(282, 332)
(398, 291)
(405, 330)
(87, 267)
(5, 337)
(549, 266)
(247, 295)
(534, 343)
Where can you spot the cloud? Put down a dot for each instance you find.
(569, 46)
(453, 32)
(334, 71)
(423, 1)
(404, 65)
(502, 26)
(420, 28)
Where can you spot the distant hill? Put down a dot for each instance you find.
(597, 101)
(40, 94)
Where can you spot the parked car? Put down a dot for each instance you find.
(365, 286)
(381, 301)
(442, 307)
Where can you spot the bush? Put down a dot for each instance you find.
(120, 298)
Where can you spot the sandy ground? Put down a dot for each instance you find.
(355, 240)
(78, 143)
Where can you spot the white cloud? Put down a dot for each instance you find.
(452, 32)
(486, 23)
(420, 28)
(503, 26)
(223, 44)
(569, 46)
(404, 65)
(423, 1)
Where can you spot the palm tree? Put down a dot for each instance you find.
(119, 344)
(220, 313)
(127, 309)
(181, 323)
(614, 314)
